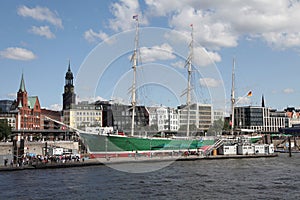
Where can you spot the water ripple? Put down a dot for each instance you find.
(269, 178)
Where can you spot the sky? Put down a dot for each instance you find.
(39, 38)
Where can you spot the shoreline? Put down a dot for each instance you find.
(103, 161)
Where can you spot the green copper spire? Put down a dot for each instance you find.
(22, 84)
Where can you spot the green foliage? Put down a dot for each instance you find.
(153, 127)
(227, 126)
(193, 127)
(5, 129)
(216, 128)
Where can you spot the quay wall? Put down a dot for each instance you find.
(6, 148)
(6, 152)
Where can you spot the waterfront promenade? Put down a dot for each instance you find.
(108, 161)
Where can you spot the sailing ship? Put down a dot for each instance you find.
(113, 145)
(109, 145)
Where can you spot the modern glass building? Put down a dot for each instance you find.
(259, 119)
(200, 116)
(119, 116)
(5, 105)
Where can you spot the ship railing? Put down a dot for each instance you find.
(216, 145)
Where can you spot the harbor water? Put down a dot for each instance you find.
(253, 178)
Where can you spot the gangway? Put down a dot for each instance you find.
(77, 131)
(63, 124)
(216, 145)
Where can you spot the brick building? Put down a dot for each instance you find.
(53, 122)
(29, 115)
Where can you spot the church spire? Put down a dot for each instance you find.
(69, 96)
(22, 85)
(69, 75)
(69, 67)
(262, 101)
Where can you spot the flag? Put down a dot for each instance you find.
(249, 94)
(135, 17)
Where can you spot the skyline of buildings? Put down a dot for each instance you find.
(26, 113)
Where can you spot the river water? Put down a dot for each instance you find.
(255, 178)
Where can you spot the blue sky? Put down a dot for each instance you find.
(39, 37)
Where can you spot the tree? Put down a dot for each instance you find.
(5, 129)
(216, 128)
(151, 128)
(193, 127)
(227, 125)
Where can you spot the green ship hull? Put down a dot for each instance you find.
(100, 145)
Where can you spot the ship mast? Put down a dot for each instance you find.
(134, 64)
(189, 69)
(232, 98)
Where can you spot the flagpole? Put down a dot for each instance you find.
(232, 97)
(248, 94)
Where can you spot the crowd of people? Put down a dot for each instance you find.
(31, 160)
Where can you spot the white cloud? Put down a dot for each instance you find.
(202, 56)
(12, 95)
(288, 91)
(92, 36)
(42, 31)
(205, 58)
(119, 100)
(162, 52)
(41, 14)
(16, 53)
(274, 92)
(164, 7)
(220, 24)
(210, 33)
(210, 82)
(243, 100)
(179, 64)
(90, 99)
(57, 107)
(123, 12)
(282, 40)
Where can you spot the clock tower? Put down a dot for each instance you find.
(68, 95)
